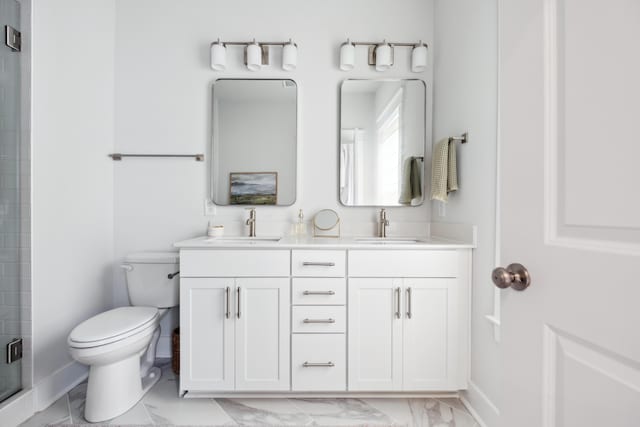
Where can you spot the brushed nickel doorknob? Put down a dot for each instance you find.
(515, 276)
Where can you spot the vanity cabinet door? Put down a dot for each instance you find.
(262, 334)
(375, 334)
(206, 334)
(429, 334)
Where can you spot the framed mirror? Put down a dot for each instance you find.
(255, 142)
(382, 142)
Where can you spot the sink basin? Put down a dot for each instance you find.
(245, 240)
(389, 240)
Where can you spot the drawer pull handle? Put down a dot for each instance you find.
(397, 292)
(318, 293)
(319, 321)
(318, 264)
(318, 365)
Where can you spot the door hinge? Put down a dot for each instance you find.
(12, 38)
(14, 350)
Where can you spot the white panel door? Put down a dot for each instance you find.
(375, 334)
(262, 334)
(569, 110)
(206, 334)
(430, 334)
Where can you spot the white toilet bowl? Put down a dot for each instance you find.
(119, 345)
(112, 344)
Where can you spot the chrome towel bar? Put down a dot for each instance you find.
(462, 138)
(119, 156)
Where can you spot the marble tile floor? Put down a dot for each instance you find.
(161, 406)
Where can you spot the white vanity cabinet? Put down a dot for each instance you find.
(234, 329)
(338, 319)
(408, 333)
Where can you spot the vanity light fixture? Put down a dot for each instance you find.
(381, 55)
(419, 57)
(347, 56)
(253, 53)
(289, 56)
(256, 54)
(384, 56)
(218, 56)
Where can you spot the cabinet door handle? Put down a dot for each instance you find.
(409, 303)
(318, 264)
(397, 302)
(318, 293)
(318, 365)
(227, 311)
(238, 302)
(319, 321)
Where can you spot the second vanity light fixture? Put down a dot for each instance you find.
(382, 55)
(256, 54)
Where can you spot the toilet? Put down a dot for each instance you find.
(119, 345)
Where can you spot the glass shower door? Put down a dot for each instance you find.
(10, 372)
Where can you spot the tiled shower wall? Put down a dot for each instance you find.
(15, 285)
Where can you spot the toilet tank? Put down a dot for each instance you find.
(147, 279)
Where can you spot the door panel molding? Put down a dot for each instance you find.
(586, 232)
(563, 351)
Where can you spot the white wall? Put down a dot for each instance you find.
(72, 216)
(163, 104)
(465, 78)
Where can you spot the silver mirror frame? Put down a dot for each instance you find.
(424, 143)
(210, 149)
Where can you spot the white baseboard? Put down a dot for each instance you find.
(51, 388)
(17, 409)
(481, 407)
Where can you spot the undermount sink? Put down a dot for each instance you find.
(388, 240)
(241, 239)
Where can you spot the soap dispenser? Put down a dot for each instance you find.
(301, 227)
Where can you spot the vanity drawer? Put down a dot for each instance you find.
(234, 263)
(318, 263)
(318, 318)
(318, 362)
(319, 291)
(403, 263)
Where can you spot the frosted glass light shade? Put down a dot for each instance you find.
(289, 56)
(347, 56)
(254, 56)
(383, 57)
(419, 58)
(218, 56)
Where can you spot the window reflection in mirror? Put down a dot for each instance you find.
(382, 142)
(254, 151)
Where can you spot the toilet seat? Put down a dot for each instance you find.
(112, 326)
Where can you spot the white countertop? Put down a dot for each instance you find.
(393, 242)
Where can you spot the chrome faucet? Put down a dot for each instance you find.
(383, 223)
(251, 222)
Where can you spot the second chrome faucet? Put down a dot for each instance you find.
(383, 223)
(251, 222)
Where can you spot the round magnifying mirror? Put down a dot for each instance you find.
(325, 220)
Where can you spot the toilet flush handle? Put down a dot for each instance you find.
(126, 267)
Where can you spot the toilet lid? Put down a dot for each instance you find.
(113, 325)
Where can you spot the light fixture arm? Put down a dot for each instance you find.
(372, 47)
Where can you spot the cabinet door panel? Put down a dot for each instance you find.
(206, 335)
(375, 335)
(429, 334)
(262, 334)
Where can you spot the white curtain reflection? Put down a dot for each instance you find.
(351, 165)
